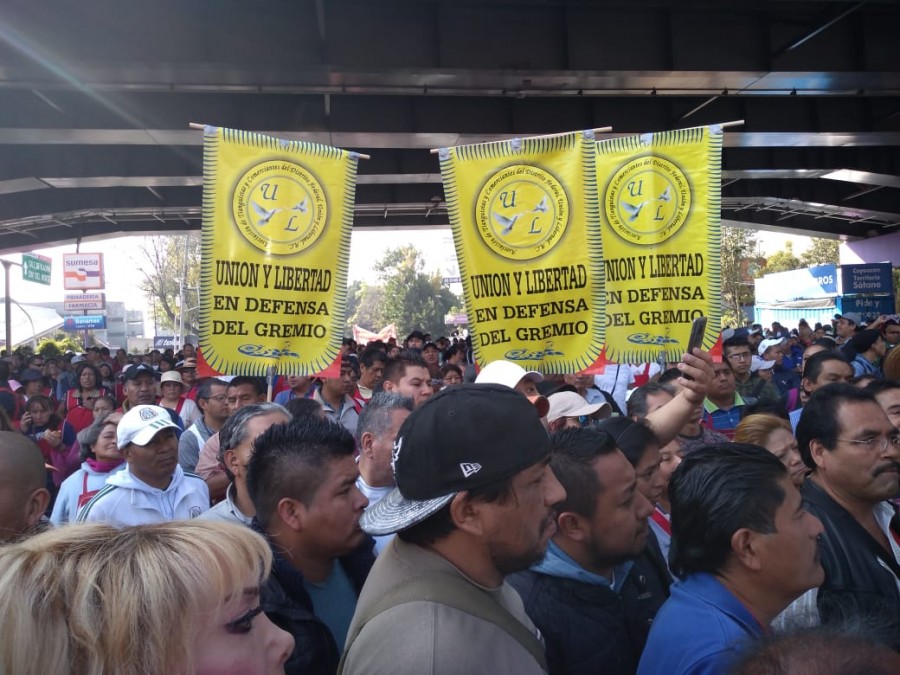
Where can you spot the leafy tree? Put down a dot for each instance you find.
(783, 261)
(364, 306)
(739, 266)
(821, 252)
(60, 343)
(412, 299)
(162, 262)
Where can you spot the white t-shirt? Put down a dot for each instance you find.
(616, 380)
(374, 494)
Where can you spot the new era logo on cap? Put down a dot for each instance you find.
(395, 453)
(436, 456)
(470, 468)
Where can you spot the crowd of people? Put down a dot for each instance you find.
(416, 514)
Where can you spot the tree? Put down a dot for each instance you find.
(412, 299)
(364, 307)
(60, 343)
(739, 251)
(163, 262)
(783, 261)
(821, 252)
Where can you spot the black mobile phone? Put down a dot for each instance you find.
(698, 331)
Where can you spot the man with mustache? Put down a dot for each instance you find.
(853, 450)
(475, 501)
(154, 487)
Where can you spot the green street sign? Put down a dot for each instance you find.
(36, 268)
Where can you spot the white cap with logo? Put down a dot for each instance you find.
(140, 424)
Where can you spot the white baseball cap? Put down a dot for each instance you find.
(768, 342)
(759, 363)
(140, 424)
(506, 373)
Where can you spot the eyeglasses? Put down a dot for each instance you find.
(217, 397)
(873, 442)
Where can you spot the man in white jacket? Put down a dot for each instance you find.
(153, 488)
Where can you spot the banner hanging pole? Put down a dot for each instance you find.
(201, 127)
(598, 130)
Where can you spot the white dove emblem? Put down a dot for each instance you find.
(302, 206)
(633, 209)
(666, 196)
(264, 214)
(505, 223)
(542, 207)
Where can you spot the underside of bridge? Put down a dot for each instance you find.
(96, 97)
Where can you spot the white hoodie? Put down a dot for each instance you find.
(127, 500)
(66, 506)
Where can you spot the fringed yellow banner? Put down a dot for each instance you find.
(525, 224)
(660, 197)
(277, 217)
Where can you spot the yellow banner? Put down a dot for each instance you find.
(277, 217)
(525, 224)
(660, 199)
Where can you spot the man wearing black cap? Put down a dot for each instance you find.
(140, 386)
(869, 348)
(140, 389)
(415, 340)
(475, 501)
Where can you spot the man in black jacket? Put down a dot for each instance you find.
(595, 594)
(853, 449)
(302, 480)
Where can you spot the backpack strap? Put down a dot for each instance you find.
(452, 591)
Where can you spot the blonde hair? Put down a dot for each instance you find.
(95, 600)
(890, 365)
(756, 429)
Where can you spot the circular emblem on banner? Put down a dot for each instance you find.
(648, 200)
(522, 212)
(279, 207)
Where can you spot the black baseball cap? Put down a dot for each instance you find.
(864, 339)
(30, 375)
(417, 334)
(465, 437)
(133, 371)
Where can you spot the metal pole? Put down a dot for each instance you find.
(180, 340)
(84, 333)
(6, 266)
(187, 240)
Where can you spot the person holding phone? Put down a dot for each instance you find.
(54, 437)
